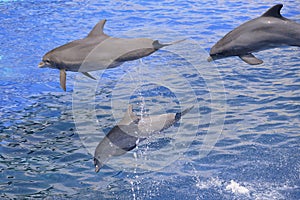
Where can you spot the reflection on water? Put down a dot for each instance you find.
(43, 154)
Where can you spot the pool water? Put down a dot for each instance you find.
(241, 140)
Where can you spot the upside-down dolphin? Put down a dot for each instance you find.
(131, 130)
(106, 51)
(270, 30)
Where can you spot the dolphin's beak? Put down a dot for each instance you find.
(97, 164)
(209, 59)
(41, 64)
(97, 168)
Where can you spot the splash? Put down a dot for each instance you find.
(236, 188)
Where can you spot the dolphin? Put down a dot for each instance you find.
(131, 130)
(270, 30)
(108, 52)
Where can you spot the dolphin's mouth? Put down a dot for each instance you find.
(97, 168)
(216, 56)
(41, 64)
(97, 164)
(210, 59)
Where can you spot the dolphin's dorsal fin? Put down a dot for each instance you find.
(98, 29)
(128, 117)
(274, 11)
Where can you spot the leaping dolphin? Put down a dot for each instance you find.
(112, 53)
(271, 30)
(131, 130)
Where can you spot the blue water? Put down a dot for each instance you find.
(250, 115)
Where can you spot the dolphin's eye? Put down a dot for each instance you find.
(218, 54)
(47, 61)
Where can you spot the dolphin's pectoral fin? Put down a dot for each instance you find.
(63, 77)
(88, 75)
(250, 59)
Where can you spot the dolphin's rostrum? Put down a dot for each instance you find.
(130, 131)
(108, 52)
(271, 30)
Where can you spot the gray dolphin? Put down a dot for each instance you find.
(271, 30)
(131, 130)
(111, 53)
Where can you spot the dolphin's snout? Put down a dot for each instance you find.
(97, 168)
(209, 59)
(97, 164)
(41, 64)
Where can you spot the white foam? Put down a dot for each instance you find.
(212, 182)
(236, 188)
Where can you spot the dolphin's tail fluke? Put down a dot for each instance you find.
(180, 114)
(158, 45)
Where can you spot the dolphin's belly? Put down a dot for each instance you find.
(112, 53)
(256, 35)
(243, 46)
(87, 62)
(155, 123)
(260, 46)
(94, 64)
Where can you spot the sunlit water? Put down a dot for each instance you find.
(46, 148)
